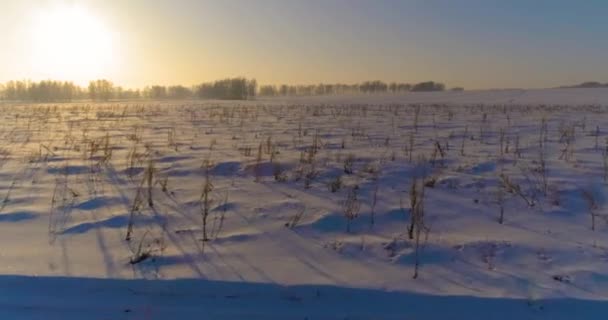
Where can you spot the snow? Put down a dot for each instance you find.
(557, 96)
(71, 175)
(92, 298)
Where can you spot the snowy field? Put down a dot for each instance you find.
(305, 208)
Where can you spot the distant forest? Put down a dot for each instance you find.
(588, 84)
(227, 89)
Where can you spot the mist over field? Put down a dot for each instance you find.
(303, 160)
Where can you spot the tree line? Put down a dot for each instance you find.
(588, 84)
(366, 87)
(63, 91)
(238, 88)
(41, 91)
(103, 90)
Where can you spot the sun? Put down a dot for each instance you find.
(71, 43)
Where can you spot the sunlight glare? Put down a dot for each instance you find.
(71, 43)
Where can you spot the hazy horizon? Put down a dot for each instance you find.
(473, 44)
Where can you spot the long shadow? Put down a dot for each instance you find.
(32, 297)
(17, 216)
(115, 222)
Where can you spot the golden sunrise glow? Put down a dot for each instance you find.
(139, 43)
(71, 43)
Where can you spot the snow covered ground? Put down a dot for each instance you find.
(282, 176)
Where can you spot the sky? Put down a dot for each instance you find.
(476, 44)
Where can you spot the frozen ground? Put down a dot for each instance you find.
(74, 177)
